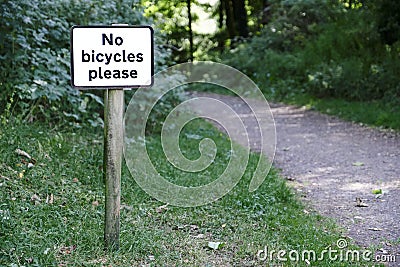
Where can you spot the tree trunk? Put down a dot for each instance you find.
(221, 38)
(240, 16)
(229, 20)
(188, 2)
(350, 4)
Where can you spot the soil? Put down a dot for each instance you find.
(337, 167)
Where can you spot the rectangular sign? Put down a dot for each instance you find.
(111, 56)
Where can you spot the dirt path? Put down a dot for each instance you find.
(331, 163)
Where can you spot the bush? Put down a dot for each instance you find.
(35, 58)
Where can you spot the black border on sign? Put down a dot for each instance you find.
(110, 26)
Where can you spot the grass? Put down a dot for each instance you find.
(52, 213)
(377, 113)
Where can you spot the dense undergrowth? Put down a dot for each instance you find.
(325, 50)
(35, 58)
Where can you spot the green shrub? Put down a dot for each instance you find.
(35, 58)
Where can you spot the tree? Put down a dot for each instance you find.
(389, 21)
(240, 17)
(188, 2)
(174, 19)
(235, 17)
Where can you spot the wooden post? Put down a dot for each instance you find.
(113, 145)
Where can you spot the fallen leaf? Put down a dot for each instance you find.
(50, 199)
(75, 180)
(359, 203)
(375, 229)
(194, 136)
(126, 207)
(22, 153)
(384, 251)
(35, 198)
(199, 236)
(358, 163)
(215, 245)
(21, 174)
(377, 191)
(95, 203)
(67, 250)
(162, 208)
(3, 177)
(194, 227)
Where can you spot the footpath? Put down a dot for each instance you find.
(342, 170)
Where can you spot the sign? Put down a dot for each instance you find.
(111, 56)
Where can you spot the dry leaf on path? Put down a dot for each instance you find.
(377, 191)
(360, 203)
(375, 229)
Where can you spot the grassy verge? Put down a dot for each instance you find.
(52, 210)
(374, 113)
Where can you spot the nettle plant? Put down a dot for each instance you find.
(35, 57)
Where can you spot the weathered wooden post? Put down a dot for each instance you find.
(113, 145)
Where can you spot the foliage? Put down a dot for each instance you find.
(35, 60)
(389, 21)
(294, 22)
(171, 18)
(326, 49)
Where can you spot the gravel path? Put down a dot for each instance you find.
(335, 166)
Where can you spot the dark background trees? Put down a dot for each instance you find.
(344, 49)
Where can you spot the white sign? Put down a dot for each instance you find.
(111, 56)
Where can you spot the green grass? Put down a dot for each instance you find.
(373, 113)
(377, 113)
(52, 214)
